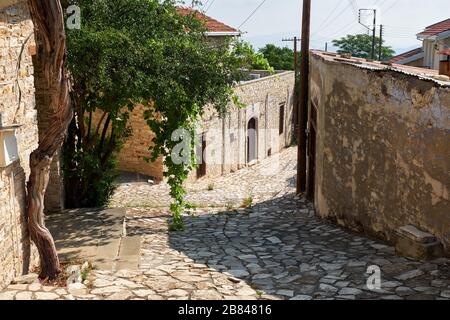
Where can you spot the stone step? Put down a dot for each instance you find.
(417, 235)
(93, 235)
(129, 253)
(417, 244)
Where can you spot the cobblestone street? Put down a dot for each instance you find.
(275, 249)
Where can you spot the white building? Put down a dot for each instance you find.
(435, 38)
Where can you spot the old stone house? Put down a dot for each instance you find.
(18, 135)
(435, 39)
(380, 151)
(24, 113)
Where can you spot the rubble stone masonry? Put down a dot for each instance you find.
(17, 106)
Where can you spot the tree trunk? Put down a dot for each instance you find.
(47, 16)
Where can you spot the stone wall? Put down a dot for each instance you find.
(17, 106)
(225, 138)
(383, 149)
(131, 157)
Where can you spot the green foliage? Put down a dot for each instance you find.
(360, 45)
(249, 58)
(94, 182)
(247, 202)
(279, 58)
(143, 51)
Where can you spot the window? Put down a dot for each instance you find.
(281, 125)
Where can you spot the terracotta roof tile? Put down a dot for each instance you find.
(406, 55)
(212, 25)
(436, 28)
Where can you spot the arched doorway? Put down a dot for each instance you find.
(252, 140)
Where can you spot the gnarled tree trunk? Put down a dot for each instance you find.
(48, 19)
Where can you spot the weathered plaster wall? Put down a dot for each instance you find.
(17, 106)
(383, 150)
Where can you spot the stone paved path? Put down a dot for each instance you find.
(270, 179)
(277, 249)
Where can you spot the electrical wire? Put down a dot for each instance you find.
(392, 6)
(252, 14)
(335, 18)
(204, 5)
(210, 5)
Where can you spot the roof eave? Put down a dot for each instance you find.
(222, 33)
(438, 36)
(424, 37)
(411, 59)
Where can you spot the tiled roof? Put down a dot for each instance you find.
(211, 24)
(406, 55)
(436, 29)
(421, 73)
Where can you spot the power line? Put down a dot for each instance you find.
(393, 5)
(210, 5)
(354, 7)
(329, 16)
(252, 14)
(346, 27)
(335, 18)
(205, 4)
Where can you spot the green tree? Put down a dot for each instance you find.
(249, 58)
(279, 58)
(139, 51)
(360, 45)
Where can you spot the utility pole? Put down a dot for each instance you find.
(374, 29)
(374, 36)
(295, 40)
(326, 46)
(296, 88)
(380, 48)
(304, 97)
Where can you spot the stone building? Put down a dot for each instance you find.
(381, 149)
(241, 138)
(435, 38)
(24, 113)
(18, 135)
(244, 136)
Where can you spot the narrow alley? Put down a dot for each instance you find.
(274, 249)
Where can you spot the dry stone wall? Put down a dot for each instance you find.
(17, 106)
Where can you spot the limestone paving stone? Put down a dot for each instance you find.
(277, 249)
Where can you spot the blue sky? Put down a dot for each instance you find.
(277, 19)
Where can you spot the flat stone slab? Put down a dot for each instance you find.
(89, 234)
(417, 244)
(417, 235)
